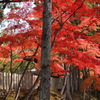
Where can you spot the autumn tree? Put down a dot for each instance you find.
(74, 40)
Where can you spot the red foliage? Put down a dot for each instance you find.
(93, 80)
(57, 70)
(72, 22)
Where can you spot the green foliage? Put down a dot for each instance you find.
(91, 4)
(75, 22)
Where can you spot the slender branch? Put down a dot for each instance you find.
(11, 77)
(32, 88)
(16, 96)
(36, 51)
(10, 1)
(56, 33)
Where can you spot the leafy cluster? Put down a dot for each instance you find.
(75, 37)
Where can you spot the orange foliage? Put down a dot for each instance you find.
(87, 82)
(71, 21)
(95, 38)
(93, 80)
(97, 84)
(57, 70)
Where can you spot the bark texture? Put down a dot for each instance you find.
(45, 53)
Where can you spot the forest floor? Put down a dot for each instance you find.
(54, 95)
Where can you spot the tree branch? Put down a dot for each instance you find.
(64, 23)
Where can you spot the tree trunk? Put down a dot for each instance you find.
(57, 83)
(45, 53)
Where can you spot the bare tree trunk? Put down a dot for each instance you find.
(66, 90)
(11, 77)
(3, 81)
(45, 53)
(18, 89)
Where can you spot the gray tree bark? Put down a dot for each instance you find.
(45, 53)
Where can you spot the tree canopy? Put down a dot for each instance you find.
(75, 38)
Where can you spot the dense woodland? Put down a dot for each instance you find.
(60, 40)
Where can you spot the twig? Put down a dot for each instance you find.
(16, 96)
(4, 1)
(32, 88)
(11, 77)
